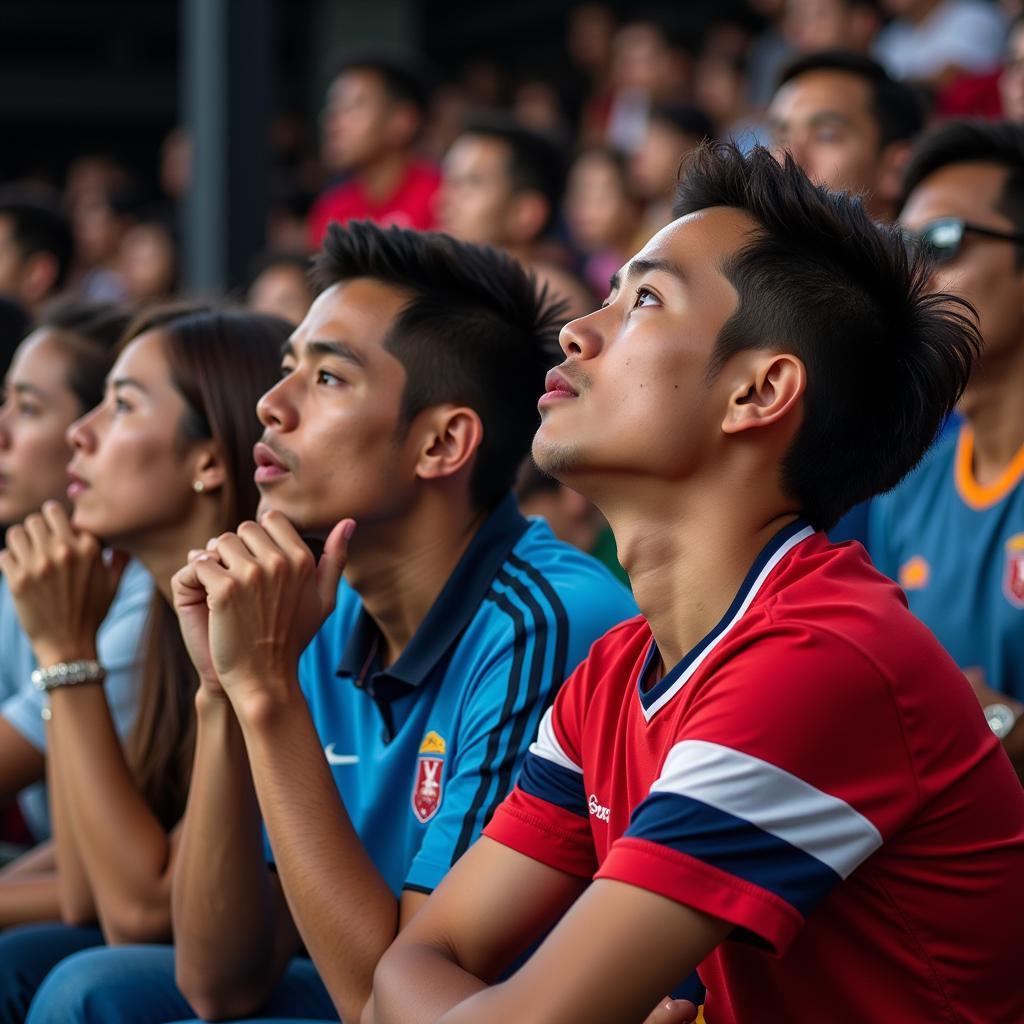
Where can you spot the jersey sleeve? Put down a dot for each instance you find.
(546, 816)
(790, 773)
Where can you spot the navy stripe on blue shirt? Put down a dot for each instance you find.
(528, 617)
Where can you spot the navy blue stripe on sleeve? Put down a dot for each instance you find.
(536, 679)
(735, 846)
(469, 822)
(551, 782)
(558, 667)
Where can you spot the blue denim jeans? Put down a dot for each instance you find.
(135, 985)
(27, 954)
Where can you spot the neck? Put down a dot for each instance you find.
(993, 408)
(687, 550)
(380, 178)
(399, 567)
(164, 552)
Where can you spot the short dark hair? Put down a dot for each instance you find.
(405, 80)
(968, 141)
(91, 332)
(898, 109)
(535, 162)
(886, 361)
(39, 225)
(476, 330)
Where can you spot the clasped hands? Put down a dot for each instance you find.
(250, 602)
(62, 583)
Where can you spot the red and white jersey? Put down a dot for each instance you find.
(816, 771)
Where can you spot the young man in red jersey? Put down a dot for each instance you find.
(776, 773)
(371, 121)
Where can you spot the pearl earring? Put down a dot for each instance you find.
(198, 486)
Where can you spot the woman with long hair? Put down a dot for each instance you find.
(57, 374)
(160, 466)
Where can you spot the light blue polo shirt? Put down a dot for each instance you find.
(423, 752)
(117, 642)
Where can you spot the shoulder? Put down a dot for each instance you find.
(933, 473)
(568, 581)
(135, 590)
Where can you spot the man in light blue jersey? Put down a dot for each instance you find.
(407, 402)
(952, 534)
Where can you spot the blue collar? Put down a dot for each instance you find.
(449, 615)
(654, 699)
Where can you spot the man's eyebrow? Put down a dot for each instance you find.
(336, 348)
(28, 389)
(325, 348)
(827, 116)
(643, 265)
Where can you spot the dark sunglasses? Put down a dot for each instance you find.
(941, 239)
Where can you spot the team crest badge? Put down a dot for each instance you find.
(426, 793)
(1013, 571)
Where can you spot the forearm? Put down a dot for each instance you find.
(124, 849)
(232, 932)
(77, 906)
(344, 910)
(40, 860)
(25, 900)
(438, 982)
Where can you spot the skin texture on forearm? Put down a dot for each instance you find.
(21, 763)
(345, 912)
(28, 899)
(233, 932)
(124, 850)
(40, 860)
(611, 958)
(76, 904)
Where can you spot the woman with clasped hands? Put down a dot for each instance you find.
(161, 465)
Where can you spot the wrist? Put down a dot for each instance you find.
(262, 705)
(50, 654)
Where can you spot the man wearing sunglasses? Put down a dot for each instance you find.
(952, 534)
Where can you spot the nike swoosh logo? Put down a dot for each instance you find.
(333, 758)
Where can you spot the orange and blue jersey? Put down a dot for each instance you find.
(818, 773)
(957, 550)
(423, 750)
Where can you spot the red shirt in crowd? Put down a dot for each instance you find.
(816, 771)
(410, 206)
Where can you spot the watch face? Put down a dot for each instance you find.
(1000, 718)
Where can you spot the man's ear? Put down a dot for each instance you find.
(891, 164)
(451, 436)
(771, 390)
(208, 469)
(527, 214)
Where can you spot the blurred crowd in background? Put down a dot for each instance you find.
(570, 171)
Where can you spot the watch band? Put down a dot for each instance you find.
(67, 673)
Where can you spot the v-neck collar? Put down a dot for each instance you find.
(654, 699)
